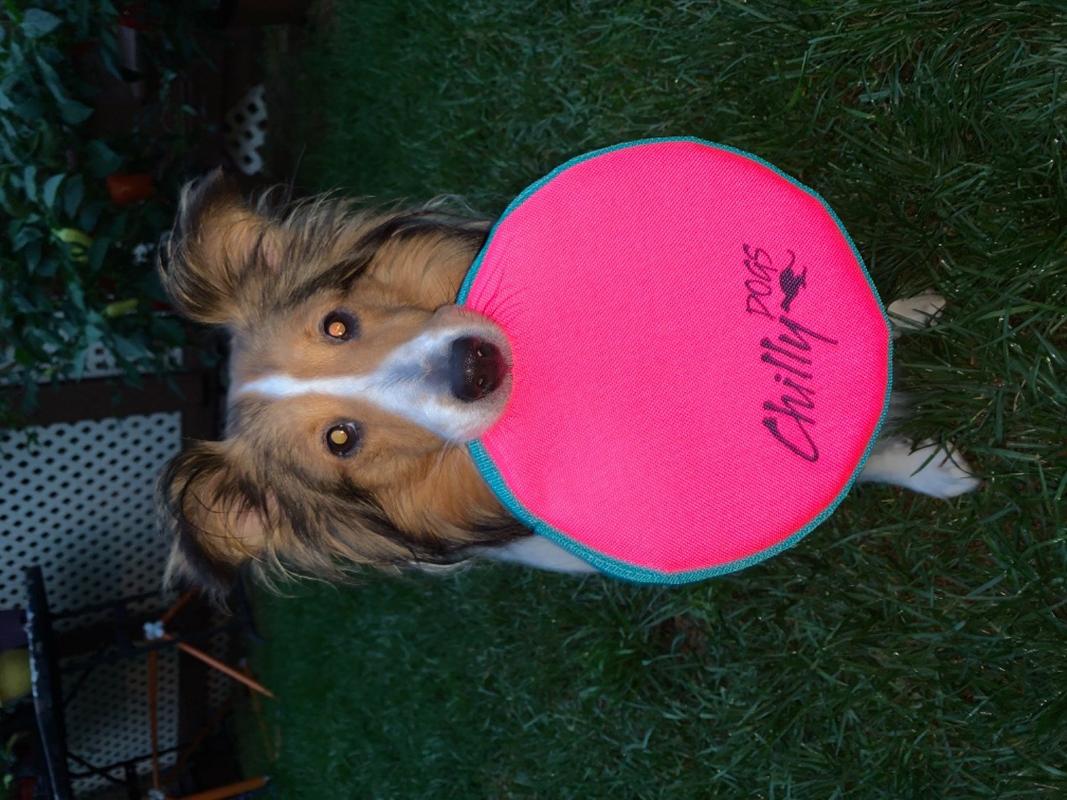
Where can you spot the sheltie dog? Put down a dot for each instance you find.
(354, 381)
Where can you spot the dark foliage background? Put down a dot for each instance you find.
(89, 172)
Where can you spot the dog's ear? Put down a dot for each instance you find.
(215, 516)
(219, 247)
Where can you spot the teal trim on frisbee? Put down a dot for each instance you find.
(621, 569)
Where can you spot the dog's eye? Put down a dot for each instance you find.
(340, 326)
(343, 439)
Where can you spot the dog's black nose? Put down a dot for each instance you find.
(476, 367)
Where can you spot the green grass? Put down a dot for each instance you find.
(907, 648)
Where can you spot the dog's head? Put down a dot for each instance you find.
(353, 379)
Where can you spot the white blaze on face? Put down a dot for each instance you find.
(411, 382)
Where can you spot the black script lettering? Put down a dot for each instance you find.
(799, 331)
(790, 418)
(753, 305)
(787, 409)
(767, 358)
(795, 409)
(804, 390)
(759, 286)
(775, 348)
(810, 454)
(758, 263)
(791, 402)
(754, 297)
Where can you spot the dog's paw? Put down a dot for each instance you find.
(912, 313)
(927, 468)
(946, 475)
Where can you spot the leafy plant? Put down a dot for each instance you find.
(75, 244)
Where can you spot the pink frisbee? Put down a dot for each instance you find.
(700, 362)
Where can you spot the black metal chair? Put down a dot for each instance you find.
(117, 639)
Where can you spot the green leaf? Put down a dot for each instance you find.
(129, 349)
(9, 129)
(37, 23)
(73, 112)
(22, 304)
(77, 295)
(95, 325)
(25, 235)
(78, 363)
(48, 266)
(48, 191)
(107, 56)
(51, 79)
(29, 182)
(73, 193)
(101, 159)
(30, 109)
(97, 252)
(17, 58)
(121, 308)
(31, 256)
(89, 215)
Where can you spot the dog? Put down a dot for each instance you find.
(354, 381)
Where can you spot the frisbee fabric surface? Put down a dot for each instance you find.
(700, 362)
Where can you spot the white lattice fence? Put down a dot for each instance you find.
(76, 498)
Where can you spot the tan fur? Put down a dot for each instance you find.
(271, 493)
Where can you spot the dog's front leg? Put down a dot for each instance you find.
(537, 552)
(926, 467)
